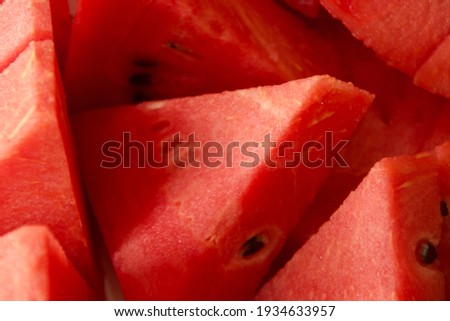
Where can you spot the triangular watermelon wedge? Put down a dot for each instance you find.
(434, 74)
(33, 266)
(403, 120)
(23, 21)
(208, 230)
(422, 26)
(124, 52)
(39, 183)
(38, 178)
(381, 244)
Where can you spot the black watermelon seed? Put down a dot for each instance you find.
(182, 50)
(140, 79)
(173, 45)
(426, 253)
(253, 246)
(444, 208)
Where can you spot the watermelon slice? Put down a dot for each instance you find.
(421, 26)
(33, 266)
(207, 230)
(434, 74)
(381, 244)
(38, 181)
(125, 52)
(424, 30)
(23, 21)
(403, 119)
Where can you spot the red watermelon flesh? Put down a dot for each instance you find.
(125, 52)
(208, 233)
(38, 181)
(309, 8)
(402, 120)
(23, 21)
(443, 155)
(379, 245)
(419, 130)
(434, 74)
(33, 266)
(420, 26)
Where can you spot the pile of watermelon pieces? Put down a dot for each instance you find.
(224, 150)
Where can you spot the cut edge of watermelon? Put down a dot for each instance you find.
(434, 74)
(44, 30)
(56, 112)
(390, 169)
(41, 266)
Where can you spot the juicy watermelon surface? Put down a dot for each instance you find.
(376, 248)
(28, 159)
(166, 49)
(39, 183)
(33, 266)
(403, 119)
(22, 21)
(372, 224)
(434, 74)
(423, 26)
(215, 224)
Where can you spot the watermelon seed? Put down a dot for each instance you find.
(140, 79)
(444, 208)
(173, 45)
(253, 246)
(426, 253)
(180, 49)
